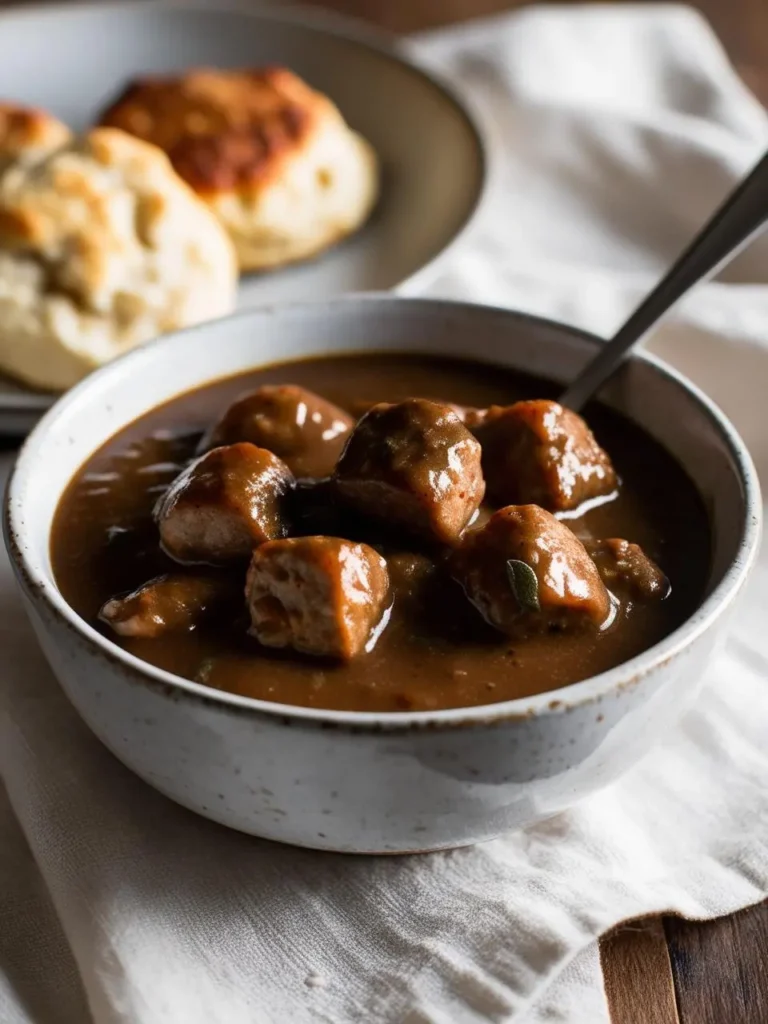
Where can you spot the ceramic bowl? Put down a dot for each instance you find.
(369, 782)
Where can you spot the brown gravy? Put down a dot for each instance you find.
(439, 655)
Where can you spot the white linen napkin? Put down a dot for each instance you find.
(618, 130)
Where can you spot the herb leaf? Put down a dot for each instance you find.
(524, 584)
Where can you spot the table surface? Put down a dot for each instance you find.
(660, 970)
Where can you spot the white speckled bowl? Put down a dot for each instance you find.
(366, 782)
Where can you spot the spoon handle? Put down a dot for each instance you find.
(741, 216)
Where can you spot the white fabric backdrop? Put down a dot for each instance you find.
(618, 131)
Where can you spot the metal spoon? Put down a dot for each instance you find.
(742, 216)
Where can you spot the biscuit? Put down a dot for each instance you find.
(273, 158)
(28, 134)
(102, 247)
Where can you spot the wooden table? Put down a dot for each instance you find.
(662, 970)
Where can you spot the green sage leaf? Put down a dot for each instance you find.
(524, 584)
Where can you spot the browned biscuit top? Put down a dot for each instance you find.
(27, 129)
(222, 130)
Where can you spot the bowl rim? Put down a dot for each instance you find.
(396, 49)
(39, 583)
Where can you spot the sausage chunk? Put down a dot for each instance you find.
(526, 572)
(320, 595)
(540, 453)
(627, 571)
(414, 465)
(224, 505)
(298, 426)
(410, 575)
(167, 603)
(466, 413)
(315, 510)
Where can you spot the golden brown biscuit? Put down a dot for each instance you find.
(102, 247)
(28, 133)
(272, 157)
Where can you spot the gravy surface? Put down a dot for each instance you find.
(439, 654)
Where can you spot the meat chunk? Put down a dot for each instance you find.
(167, 603)
(224, 505)
(540, 453)
(473, 418)
(466, 413)
(411, 575)
(526, 572)
(627, 571)
(298, 426)
(414, 465)
(315, 510)
(426, 602)
(320, 595)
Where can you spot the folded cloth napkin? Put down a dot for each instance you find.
(618, 130)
